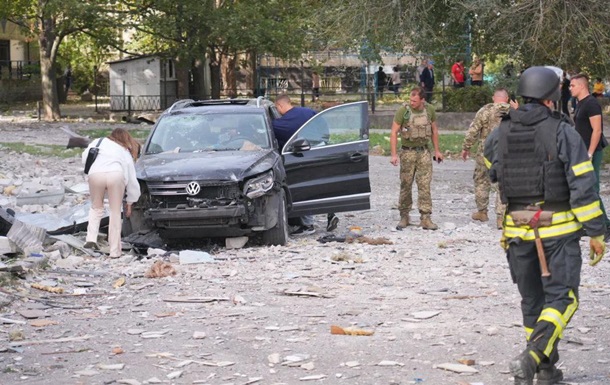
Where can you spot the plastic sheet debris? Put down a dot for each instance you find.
(189, 257)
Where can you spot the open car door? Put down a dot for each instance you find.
(327, 162)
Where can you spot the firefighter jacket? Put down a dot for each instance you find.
(532, 168)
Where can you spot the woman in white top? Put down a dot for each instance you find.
(113, 171)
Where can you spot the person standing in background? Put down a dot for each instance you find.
(395, 77)
(315, 81)
(476, 72)
(381, 79)
(114, 173)
(598, 88)
(485, 121)
(427, 80)
(590, 125)
(457, 73)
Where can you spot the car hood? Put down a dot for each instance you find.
(219, 165)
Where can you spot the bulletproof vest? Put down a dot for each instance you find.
(529, 170)
(416, 127)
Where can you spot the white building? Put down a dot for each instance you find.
(142, 83)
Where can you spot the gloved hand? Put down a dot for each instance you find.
(504, 243)
(598, 249)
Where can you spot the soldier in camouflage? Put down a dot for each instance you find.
(486, 119)
(416, 123)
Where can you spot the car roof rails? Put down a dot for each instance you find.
(180, 104)
(222, 102)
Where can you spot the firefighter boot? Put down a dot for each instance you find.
(404, 221)
(426, 223)
(480, 215)
(550, 376)
(523, 368)
(500, 222)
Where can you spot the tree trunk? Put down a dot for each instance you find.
(215, 74)
(48, 79)
(229, 76)
(197, 89)
(252, 82)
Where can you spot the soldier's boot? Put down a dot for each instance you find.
(549, 376)
(480, 215)
(427, 224)
(404, 222)
(523, 368)
(500, 222)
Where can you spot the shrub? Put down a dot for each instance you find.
(467, 99)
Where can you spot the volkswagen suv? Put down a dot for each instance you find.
(213, 168)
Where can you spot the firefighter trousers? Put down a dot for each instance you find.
(547, 303)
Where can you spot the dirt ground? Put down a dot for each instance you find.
(263, 315)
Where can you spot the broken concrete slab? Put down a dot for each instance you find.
(26, 236)
(7, 246)
(52, 198)
(236, 242)
(76, 243)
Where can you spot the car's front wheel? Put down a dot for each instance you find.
(278, 234)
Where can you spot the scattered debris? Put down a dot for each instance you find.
(160, 269)
(425, 314)
(334, 329)
(195, 299)
(56, 290)
(390, 363)
(52, 341)
(467, 362)
(189, 257)
(236, 242)
(457, 368)
(119, 282)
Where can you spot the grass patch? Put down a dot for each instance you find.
(104, 132)
(451, 143)
(42, 149)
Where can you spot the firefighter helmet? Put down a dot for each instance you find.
(539, 83)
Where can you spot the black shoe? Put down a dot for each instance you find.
(333, 221)
(523, 368)
(303, 230)
(91, 245)
(549, 376)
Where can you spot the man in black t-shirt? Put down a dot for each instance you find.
(589, 124)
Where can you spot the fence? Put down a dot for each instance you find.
(18, 69)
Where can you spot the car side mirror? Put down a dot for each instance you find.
(301, 145)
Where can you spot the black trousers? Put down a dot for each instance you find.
(547, 303)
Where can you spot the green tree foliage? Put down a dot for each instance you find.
(572, 34)
(214, 29)
(50, 22)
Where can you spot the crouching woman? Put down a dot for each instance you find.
(113, 172)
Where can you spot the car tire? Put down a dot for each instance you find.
(278, 234)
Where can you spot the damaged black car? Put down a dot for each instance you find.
(213, 169)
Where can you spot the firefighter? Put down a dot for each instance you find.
(548, 183)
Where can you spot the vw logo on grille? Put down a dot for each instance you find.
(193, 188)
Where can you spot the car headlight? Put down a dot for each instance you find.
(258, 186)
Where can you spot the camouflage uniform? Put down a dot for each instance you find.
(415, 158)
(486, 119)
